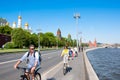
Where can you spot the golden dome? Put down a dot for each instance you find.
(19, 17)
(26, 24)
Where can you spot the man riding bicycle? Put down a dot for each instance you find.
(65, 55)
(32, 61)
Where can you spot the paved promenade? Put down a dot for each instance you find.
(77, 71)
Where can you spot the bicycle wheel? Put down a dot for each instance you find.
(37, 76)
(64, 70)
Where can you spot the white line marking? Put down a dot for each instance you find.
(8, 61)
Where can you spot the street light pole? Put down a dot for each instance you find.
(77, 16)
(80, 38)
(38, 39)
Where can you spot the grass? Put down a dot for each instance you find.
(12, 50)
(20, 50)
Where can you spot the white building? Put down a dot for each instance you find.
(14, 25)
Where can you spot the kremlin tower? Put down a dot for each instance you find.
(94, 44)
(59, 34)
(19, 22)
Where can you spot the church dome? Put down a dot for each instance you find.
(19, 17)
(26, 24)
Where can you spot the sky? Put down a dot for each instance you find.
(99, 19)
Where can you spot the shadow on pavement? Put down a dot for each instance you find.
(69, 69)
(51, 79)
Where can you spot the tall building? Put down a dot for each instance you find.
(14, 25)
(59, 34)
(19, 22)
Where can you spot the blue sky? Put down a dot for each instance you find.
(100, 19)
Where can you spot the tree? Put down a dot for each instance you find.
(34, 39)
(51, 41)
(42, 39)
(5, 30)
(19, 37)
(27, 38)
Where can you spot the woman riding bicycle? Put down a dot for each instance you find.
(65, 55)
(32, 61)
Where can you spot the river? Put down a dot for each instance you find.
(106, 63)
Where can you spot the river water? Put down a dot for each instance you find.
(106, 63)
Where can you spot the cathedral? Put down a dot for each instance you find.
(19, 24)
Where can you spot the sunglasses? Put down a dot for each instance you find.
(31, 48)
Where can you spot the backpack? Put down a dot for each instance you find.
(40, 59)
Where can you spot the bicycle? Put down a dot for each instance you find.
(24, 77)
(65, 68)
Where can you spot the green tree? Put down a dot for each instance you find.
(5, 30)
(51, 41)
(34, 39)
(42, 39)
(19, 37)
(27, 38)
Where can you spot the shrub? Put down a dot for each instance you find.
(9, 45)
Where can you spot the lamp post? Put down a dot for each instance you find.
(77, 16)
(56, 43)
(38, 39)
(80, 38)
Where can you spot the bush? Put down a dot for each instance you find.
(9, 45)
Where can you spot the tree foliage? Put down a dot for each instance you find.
(23, 38)
(20, 37)
(5, 30)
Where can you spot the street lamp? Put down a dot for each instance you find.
(38, 39)
(77, 16)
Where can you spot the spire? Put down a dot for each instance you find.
(59, 34)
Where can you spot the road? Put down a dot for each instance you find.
(51, 67)
(76, 70)
(7, 72)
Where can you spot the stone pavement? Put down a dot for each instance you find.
(77, 70)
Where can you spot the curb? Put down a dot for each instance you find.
(90, 71)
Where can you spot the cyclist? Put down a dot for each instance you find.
(32, 61)
(65, 55)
